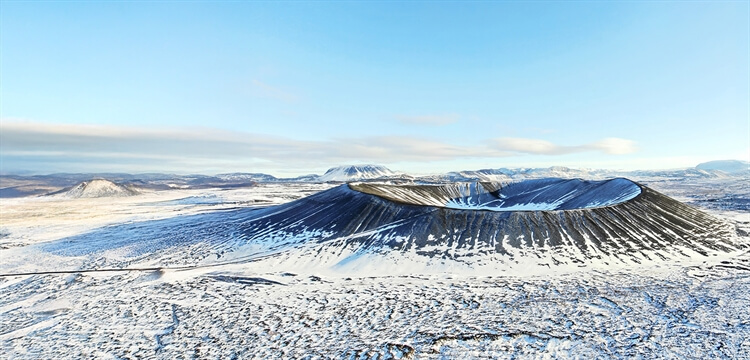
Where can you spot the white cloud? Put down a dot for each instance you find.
(611, 146)
(530, 146)
(614, 146)
(200, 149)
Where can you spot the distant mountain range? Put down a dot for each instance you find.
(727, 166)
(18, 185)
(506, 174)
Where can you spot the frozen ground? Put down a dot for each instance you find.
(696, 309)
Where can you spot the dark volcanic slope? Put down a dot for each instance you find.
(632, 225)
(540, 194)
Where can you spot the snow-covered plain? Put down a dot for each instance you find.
(696, 308)
(29, 220)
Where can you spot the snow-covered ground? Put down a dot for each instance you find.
(696, 312)
(29, 220)
(693, 309)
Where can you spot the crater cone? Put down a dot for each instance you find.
(545, 221)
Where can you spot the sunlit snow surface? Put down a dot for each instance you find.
(696, 308)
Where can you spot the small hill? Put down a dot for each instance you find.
(99, 188)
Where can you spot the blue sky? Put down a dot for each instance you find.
(296, 87)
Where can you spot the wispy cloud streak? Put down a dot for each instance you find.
(612, 146)
(196, 147)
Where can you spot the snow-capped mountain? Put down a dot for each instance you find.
(678, 174)
(474, 175)
(302, 178)
(356, 172)
(506, 174)
(98, 188)
(20, 186)
(727, 166)
(258, 177)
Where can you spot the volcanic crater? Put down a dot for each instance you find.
(547, 221)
